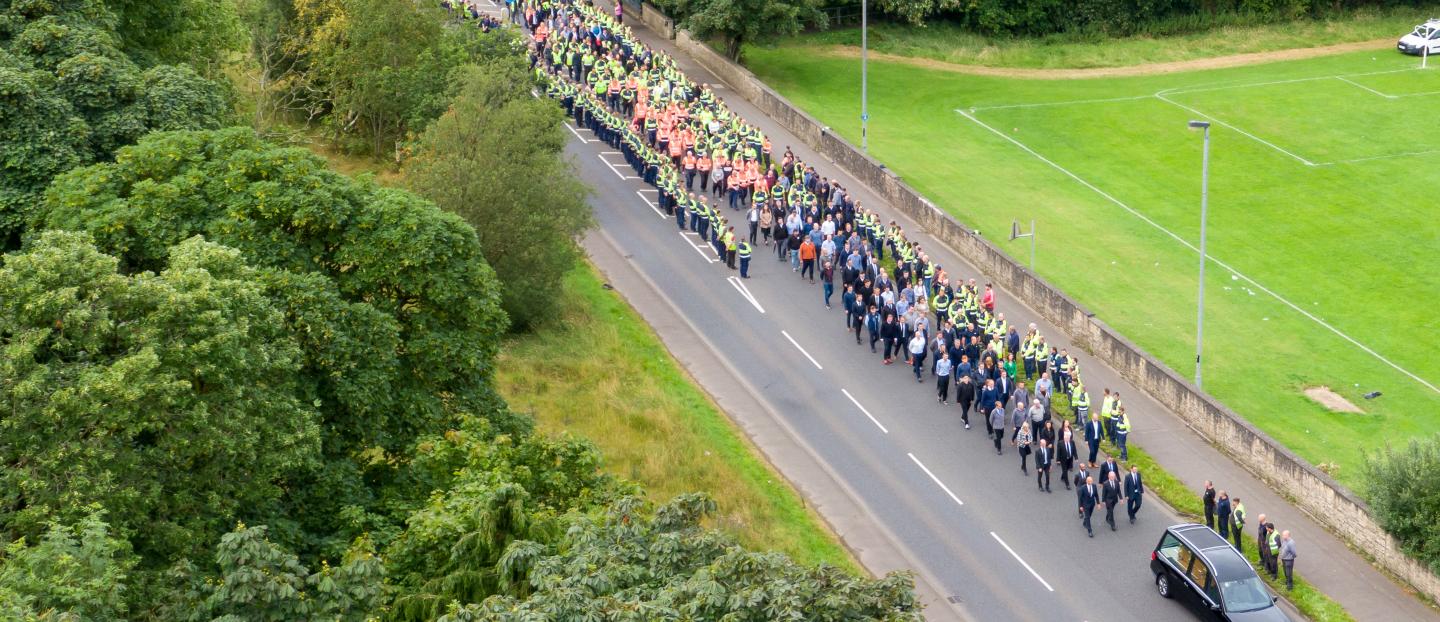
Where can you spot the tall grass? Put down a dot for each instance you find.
(599, 372)
(1177, 38)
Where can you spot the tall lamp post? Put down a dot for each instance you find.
(1204, 203)
(864, 75)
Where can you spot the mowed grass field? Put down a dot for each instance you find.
(1324, 219)
(599, 372)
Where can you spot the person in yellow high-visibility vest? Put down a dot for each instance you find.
(1122, 433)
(730, 247)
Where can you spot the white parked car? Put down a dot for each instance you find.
(1426, 36)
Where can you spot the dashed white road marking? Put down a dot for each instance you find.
(937, 481)
(802, 350)
(867, 413)
(1022, 562)
(613, 169)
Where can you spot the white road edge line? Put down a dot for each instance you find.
(698, 249)
(1192, 247)
(802, 350)
(952, 495)
(745, 292)
(867, 413)
(652, 205)
(1022, 562)
(576, 133)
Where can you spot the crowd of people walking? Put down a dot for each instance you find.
(710, 165)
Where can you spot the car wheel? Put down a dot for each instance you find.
(1162, 585)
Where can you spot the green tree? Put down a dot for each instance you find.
(75, 572)
(496, 158)
(413, 314)
(385, 65)
(201, 33)
(737, 22)
(491, 493)
(625, 564)
(70, 97)
(259, 581)
(167, 398)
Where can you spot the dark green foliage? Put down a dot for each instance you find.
(259, 581)
(497, 159)
(1402, 494)
(626, 564)
(168, 398)
(69, 97)
(390, 296)
(1102, 18)
(737, 22)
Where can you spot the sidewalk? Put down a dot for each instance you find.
(1324, 559)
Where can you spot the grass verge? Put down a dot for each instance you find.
(598, 371)
(952, 44)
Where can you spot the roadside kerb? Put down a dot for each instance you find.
(1317, 494)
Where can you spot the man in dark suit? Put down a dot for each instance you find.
(1208, 498)
(1111, 496)
(1108, 467)
(1134, 488)
(1089, 496)
(1093, 433)
(1043, 459)
(1065, 452)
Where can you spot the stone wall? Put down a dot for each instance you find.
(657, 21)
(1311, 490)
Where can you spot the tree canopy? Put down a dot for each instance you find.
(737, 22)
(69, 96)
(112, 380)
(496, 158)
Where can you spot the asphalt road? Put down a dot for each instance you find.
(976, 529)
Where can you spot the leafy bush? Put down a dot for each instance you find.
(1402, 493)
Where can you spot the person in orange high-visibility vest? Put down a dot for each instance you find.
(687, 164)
(703, 167)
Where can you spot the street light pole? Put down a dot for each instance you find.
(1204, 204)
(864, 75)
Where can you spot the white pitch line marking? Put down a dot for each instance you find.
(1236, 129)
(802, 350)
(576, 132)
(745, 292)
(1192, 247)
(652, 205)
(862, 409)
(698, 249)
(1352, 82)
(942, 486)
(1022, 562)
(1384, 157)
